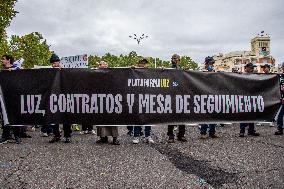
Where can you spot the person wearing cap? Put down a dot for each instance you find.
(55, 63)
(249, 69)
(208, 67)
(281, 112)
(7, 63)
(181, 128)
(266, 68)
(138, 129)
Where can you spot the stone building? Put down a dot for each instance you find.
(259, 55)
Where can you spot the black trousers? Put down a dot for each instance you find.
(7, 131)
(66, 128)
(181, 130)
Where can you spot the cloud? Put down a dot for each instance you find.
(194, 28)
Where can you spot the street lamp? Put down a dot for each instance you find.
(138, 38)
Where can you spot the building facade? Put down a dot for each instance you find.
(259, 55)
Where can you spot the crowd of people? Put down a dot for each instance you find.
(103, 132)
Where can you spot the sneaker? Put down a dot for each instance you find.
(54, 139)
(18, 140)
(93, 132)
(150, 140)
(102, 140)
(175, 128)
(136, 140)
(82, 132)
(213, 136)
(254, 134)
(182, 139)
(242, 135)
(25, 135)
(67, 140)
(115, 141)
(44, 135)
(86, 132)
(129, 133)
(279, 132)
(271, 124)
(33, 129)
(171, 140)
(203, 137)
(3, 141)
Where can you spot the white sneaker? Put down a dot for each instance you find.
(86, 132)
(82, 132)
(175, 128)
(136, 140)
(44, 135)
(150, 140)
(33, 129)
(93, 132)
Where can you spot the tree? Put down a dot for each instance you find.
(7, 13)
(32, 48)
(187, 63)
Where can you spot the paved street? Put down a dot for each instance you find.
(228, 162)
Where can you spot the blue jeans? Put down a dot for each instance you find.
(280, 118)
(204, 128)
(137, 131)
(250, 129)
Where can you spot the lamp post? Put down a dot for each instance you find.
(138, 38)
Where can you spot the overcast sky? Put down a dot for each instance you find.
(196, 28)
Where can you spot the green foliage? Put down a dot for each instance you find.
(132, 60)
(35, 51)
(32, 48)
(7, 13)
(187, 63)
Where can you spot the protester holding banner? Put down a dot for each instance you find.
(104, 131)
(181, 128)
(266, 68)
(147, 129)
(281, 112)
(55, 62)
(208, 67)
(249, 69)
(7, 63)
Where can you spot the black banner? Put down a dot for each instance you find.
(136, 96)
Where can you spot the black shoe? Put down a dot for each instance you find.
(67, 140)
(102, 140)
(115, 141)
(18, 140)
(279, 132)
(254, 134)
(242, 135)
(3, 141)
(213, 136)
(171, 139)
(54, 139)
(182, 139)
(25, 135)
(129, 133)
